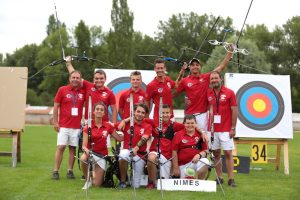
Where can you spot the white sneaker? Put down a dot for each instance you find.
(87, 185)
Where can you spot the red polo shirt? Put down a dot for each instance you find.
(99, 137)
(155, 89)
(195, 89)
(105, 95)
(182, 143)
(165, 144)
(143, 129)
(69, 98)
(227, 99)
(124, 101)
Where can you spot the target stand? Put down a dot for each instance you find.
(15, 153)
(277, 142)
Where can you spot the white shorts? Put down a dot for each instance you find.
(68, 137)
(165, 168)
(138, 165)
(222, 140)
(196, 166)
(202, 120)
(100, 161)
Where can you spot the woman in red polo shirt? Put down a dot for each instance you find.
(99, 132)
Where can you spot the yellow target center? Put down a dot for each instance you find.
(259, 105)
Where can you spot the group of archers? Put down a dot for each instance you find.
(209, 105)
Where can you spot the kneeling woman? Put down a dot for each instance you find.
(100, 130)
(189, 151)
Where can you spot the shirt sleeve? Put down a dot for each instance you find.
(112, 99)
(58, 96)
(175, 142)
(180, 87)
(149, 92)
(110, 128)
(122, 101)
(233, 99)
(148, 130)
(178, 126)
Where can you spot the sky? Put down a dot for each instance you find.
(24, 21)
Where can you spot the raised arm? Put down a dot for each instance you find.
(181, 74)
(225, 61)
(69, 64)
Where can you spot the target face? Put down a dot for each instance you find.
(260, 105)
(120, 85)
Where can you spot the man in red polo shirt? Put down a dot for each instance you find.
(136, 90)
(189, 150)
(135, 149)
(222, 100)
(69, 101)
(161, 85)
(195, 86)
(98, 91)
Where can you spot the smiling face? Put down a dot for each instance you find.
(99, 80)
(75, 79)
(190, 125)
(99, 110)
(166, 114)
(136, 81)
(195, 68)
(160, 69)
(139, 114)
(215, 80)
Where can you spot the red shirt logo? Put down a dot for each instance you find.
(169, 84)
(104, 94)
(141, 99)
(142, 131)
(190, 84)
(104, 133)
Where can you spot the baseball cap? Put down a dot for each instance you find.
(194, 60)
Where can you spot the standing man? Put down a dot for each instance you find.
(98, 91)
(195, 86)
(222, 100)
(135, 146)
(161, 85)
(136, 90)
(69, 101)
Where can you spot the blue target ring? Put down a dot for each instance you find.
(260, 105)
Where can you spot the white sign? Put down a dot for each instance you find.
(264, 105)
(187, 185)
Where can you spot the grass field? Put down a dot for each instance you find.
(31, 179)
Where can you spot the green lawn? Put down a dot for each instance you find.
(31, 179)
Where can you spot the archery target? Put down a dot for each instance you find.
(260, 105)
(264, 105)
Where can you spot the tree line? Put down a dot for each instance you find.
(272, 52)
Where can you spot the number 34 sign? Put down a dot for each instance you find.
(259, 152)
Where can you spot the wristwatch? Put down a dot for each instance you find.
(233, 128)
